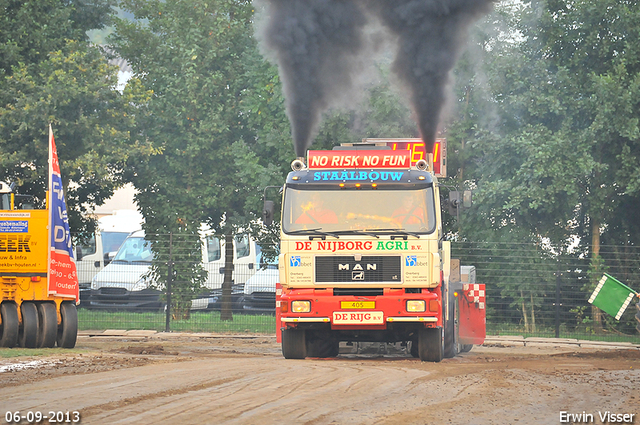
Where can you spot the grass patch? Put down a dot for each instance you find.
(506, 330)
(25, 352)
(207, 321)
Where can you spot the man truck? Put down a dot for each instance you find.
(363, 256)
(30, 316)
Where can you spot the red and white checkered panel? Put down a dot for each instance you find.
(475, 292)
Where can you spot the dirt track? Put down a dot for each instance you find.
(192, 380)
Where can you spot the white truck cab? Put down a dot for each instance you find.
(260, 289)
(99, 250)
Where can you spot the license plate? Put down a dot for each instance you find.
(358, 317)
(357, 305)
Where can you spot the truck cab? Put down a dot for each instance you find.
(363, 256)
(98, 250)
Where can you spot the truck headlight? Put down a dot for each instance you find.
(140, 285)
(416, 306)
(300, 306)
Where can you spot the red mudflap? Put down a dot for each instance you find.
(473, 314)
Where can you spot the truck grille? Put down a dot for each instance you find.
(345, 269)
(112, 291)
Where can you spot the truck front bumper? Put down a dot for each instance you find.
(359, 312)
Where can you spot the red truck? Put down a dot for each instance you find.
(363, 256)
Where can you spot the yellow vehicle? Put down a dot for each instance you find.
(30, 316)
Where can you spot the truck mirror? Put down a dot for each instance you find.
(466, 199)
(267, 213)
(108, 256)
(79, 253)
(454, 202)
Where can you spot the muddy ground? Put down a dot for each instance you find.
(211, 379)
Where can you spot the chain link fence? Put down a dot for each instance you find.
(533, 291)
(182, 283)
(530, 290)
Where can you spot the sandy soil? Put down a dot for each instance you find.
(189, 379)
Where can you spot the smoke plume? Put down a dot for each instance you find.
(430, 34)
(316, 44)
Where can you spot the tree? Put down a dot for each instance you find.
(558, 162)
(201, 63)
(49, 73)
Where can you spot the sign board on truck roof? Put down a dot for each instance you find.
(417, 151)
(342, 159)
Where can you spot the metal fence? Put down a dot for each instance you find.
(177, 283)
(530, 290)
(533, 291)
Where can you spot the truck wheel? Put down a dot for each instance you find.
(465, 348)
(335, 349)
(323, 348)
(414, 348)
(450, 331)
(10, 325)
(430, 347)
(47, 325)
(294, 344)
(28, 333)
(68, 329)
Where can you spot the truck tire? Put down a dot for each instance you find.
(450, 344)
(430, 347)
(10, 325)
(465, 348)
(414, 348)
(68, 329)
(294, 344)
(323, 348)
(47, 325)
(28, 333)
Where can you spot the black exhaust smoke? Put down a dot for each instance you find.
(430, 34)
(317, 42)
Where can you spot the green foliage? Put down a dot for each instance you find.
(32, 29)
(546, 131)
(177, 262)
(215, 118)
(558, 100)
(381, 114)
(192, 56)
(49, 73)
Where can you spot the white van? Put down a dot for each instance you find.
(97, 252)
(260, 289)
(124, 282)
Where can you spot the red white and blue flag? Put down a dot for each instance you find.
(62, 275)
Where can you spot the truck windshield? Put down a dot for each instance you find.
(354, 211)
(133, 250)
(111, 241)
